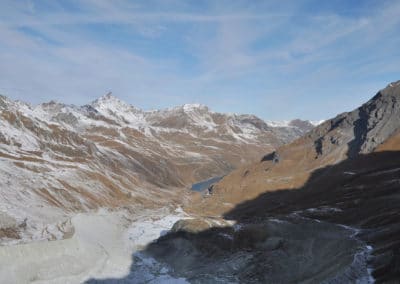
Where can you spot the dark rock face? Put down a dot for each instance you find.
(250, 236)
(378, 119)
(363, 129)
(274, 157)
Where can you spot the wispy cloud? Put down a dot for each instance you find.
(302, 59)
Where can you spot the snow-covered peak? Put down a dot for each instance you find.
(4, 99)
(6, 103)
(194, 107)
(114, 108)
(187, 108)
(317, 122)
(112, 103)
(56, 112)
(292, 123)
(280, 123)
(107, 98)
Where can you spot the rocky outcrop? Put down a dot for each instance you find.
(290, 250)
(274, 157)
(196, 225)
(363, 129)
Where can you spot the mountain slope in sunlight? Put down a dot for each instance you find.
(62, 159)
(349, 134)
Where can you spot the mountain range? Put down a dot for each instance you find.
(63, 159)
(294, 202)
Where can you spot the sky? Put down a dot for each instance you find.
(279, 60)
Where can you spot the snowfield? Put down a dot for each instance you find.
(103, 246)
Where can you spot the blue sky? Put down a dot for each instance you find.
(276, 59)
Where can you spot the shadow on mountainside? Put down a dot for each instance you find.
(291, 236)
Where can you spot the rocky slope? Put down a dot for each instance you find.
(62, 159)
(346, 136)
(324, 208)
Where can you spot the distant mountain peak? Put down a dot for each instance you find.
(299, 123)
(112, 103)
(193, 105)
(317, 122)
(109, 97)
(190, 107)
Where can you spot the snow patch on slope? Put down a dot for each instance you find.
(103, 247)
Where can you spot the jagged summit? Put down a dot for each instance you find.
(109, 95)
(115, 109)
(193, 107)
(363, 129)
(111, 102)
(107, 98)
(394, 84)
